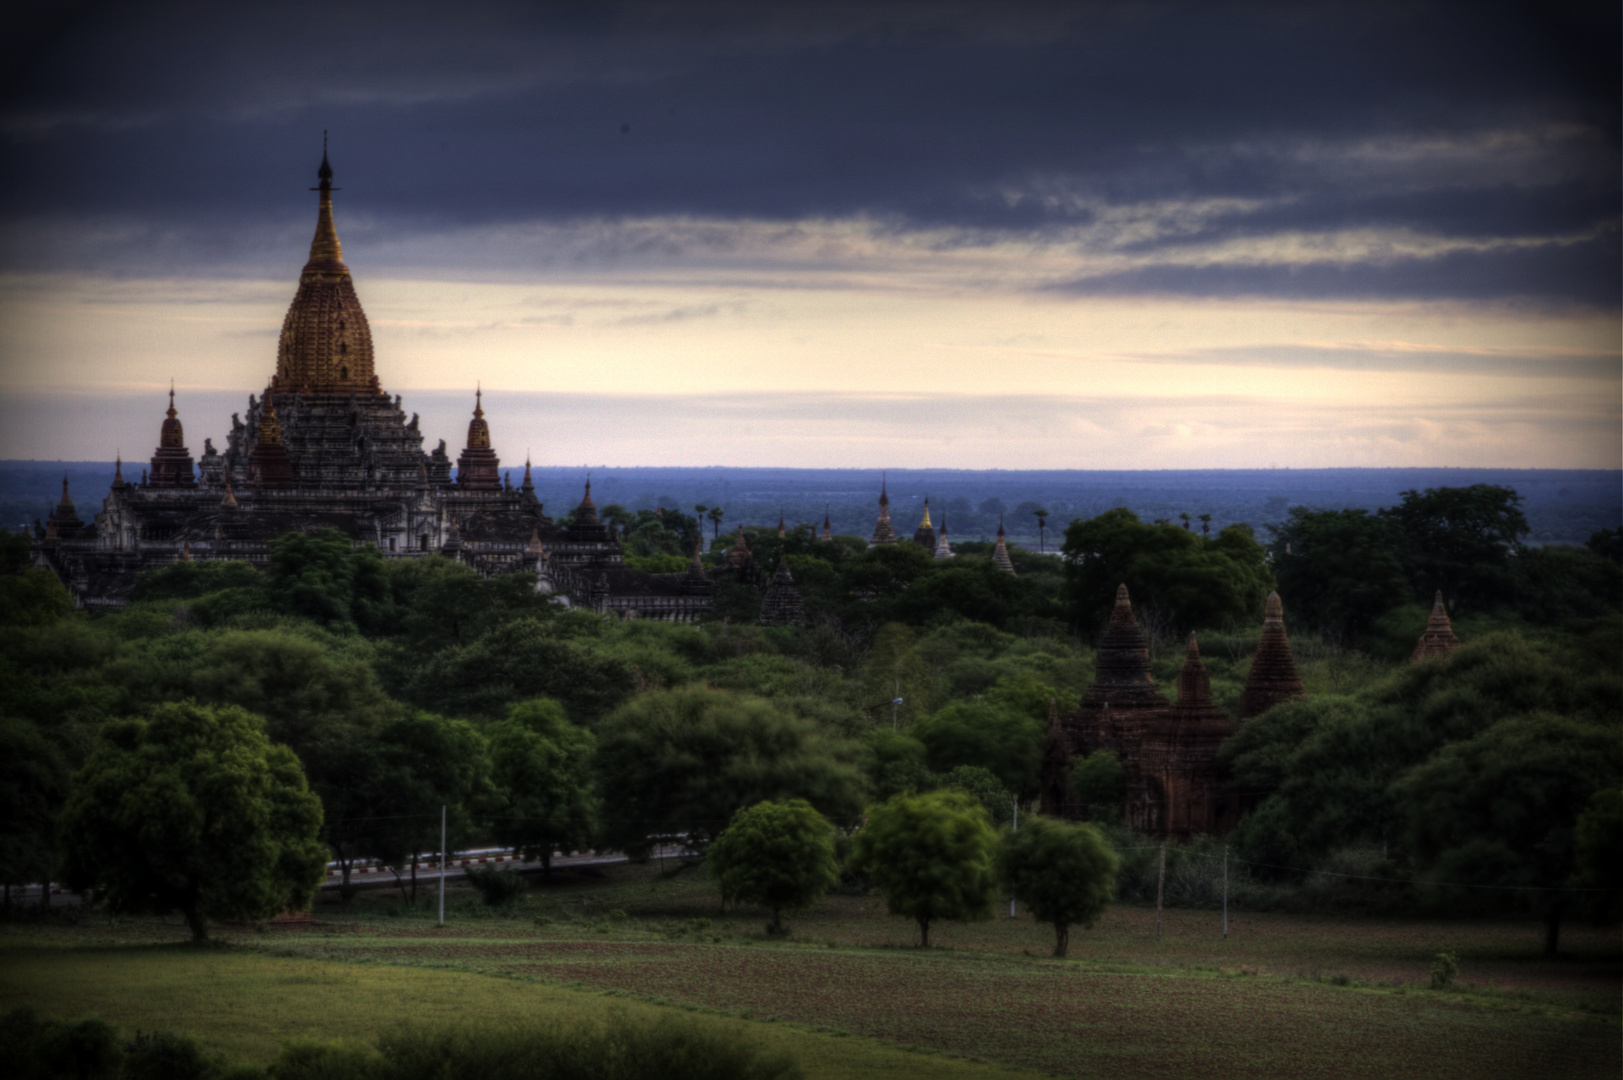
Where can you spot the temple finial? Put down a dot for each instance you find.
(478, 400)
(324, 174)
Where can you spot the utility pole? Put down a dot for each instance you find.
(1225, 892)
(1160, 886)
(1013, 827)
(442, 864)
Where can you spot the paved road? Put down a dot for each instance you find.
(383, 877)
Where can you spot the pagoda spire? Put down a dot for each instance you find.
(478, 467)
(326, 254)
(528, 486)
(828, 526)
(1273, 677)
(1000, 553)
(883, 531)
(943, 550)
(1439, 639)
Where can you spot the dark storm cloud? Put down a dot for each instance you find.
(1474, 122)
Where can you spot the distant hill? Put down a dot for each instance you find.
(1562, 505)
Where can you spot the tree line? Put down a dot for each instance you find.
(396, 687)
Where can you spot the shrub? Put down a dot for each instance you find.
(168, 1055)
(616, 1048)
(498, 888)
(1447, 966)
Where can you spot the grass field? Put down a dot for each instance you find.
(1282, 996)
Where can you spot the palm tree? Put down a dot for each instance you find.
(1185, 519)
(716, 514)
(1042, 523)
(1205, 524)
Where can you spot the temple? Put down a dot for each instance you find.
(883, 531)
(1168, 750)
(324, 446)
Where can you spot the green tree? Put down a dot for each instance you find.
(776, 854)
(985, 733)
(33, 789)
(188, 580)
(931, 855)
(517, 661)
(1597, 848)
(1099, 783)
(1500, 810)
(1192, 581)
(33, 597)
(1462, 541)
(324, 577)
(416, 765)
(193, 809)
(1333, 760)
(1339, 570)
(545, 797)
(985, 786)
(680, 763)
(898, 763)
(1064, 873)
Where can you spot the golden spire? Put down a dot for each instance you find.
(326, 254)
(326, 344)
(925, 523)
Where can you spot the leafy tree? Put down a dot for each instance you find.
(1607, 543)
(194, 809)
(1333, 760)
(894, 669)
(1500, 809)
(33, 789)
(931, 855)
(1461, 540)
(324, 577)
(985, 786)
(1597, 848)
(971, 587)
(898, 764)
(190, 580)
(681, 763)
(1099, 783)
(1194, 581)
(416, 765)
(775, 854)
(517, 661)
(441, 603)
(541, 765)
(1339, 570)
(988, 734)
(33, 597)
(1064, 873)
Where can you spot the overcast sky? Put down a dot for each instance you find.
(959, 235)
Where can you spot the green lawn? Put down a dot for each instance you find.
(1282, 996)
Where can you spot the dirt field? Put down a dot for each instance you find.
(1282, 996)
